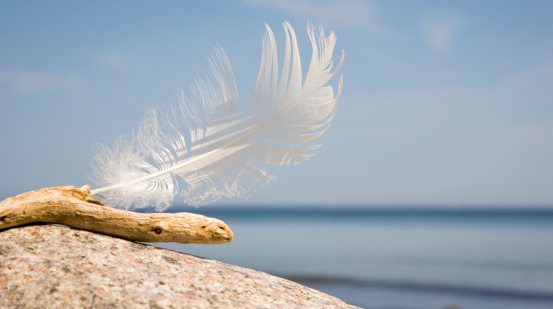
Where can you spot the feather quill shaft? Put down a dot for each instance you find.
(206, 144)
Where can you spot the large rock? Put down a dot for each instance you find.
(51, 266)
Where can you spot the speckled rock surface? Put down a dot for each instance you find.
(49, 266)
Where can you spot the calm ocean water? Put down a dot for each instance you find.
(397, 258)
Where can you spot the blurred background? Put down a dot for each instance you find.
(436, 169)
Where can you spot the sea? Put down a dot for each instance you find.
(396, 257)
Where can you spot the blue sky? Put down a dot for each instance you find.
(444, 102)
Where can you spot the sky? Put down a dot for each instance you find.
(445, 103)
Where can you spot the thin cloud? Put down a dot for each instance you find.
(115, 60)
(22, 81)
(356, 14)
(439, 28)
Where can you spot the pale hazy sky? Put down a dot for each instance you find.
(444, 102)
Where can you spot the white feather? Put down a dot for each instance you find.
(204, 141)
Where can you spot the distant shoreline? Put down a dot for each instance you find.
(427, 287)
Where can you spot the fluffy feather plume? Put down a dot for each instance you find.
(204, 142)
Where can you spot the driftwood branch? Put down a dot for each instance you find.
(74, 207)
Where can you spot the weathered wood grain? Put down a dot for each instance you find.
(74, 207)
